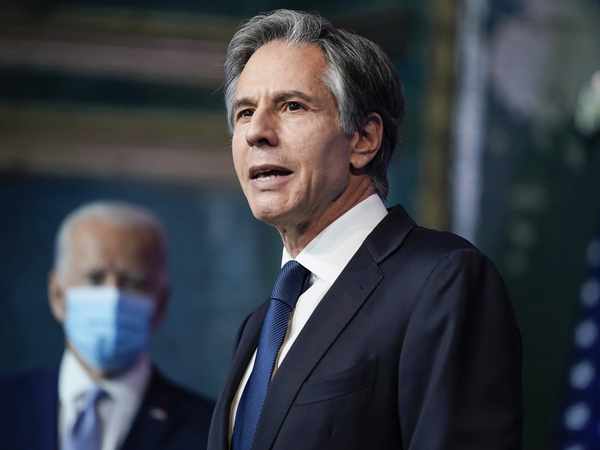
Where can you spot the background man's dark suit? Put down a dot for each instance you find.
(415, 346)
(169, 418)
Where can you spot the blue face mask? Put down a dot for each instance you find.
(108, 327)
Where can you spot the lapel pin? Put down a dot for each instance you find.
(158, 414)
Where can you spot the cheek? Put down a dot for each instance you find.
(332, 160)
(238, 158)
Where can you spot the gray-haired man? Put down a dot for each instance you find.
(393, 336)
(109, 290)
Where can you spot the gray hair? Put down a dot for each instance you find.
(113, 213)
(359, 75)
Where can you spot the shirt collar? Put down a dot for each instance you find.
(74, 381)
(331, 250)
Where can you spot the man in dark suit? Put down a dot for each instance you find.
(109, 289)
(393, 336)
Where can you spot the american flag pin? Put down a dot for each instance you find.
(158, 414)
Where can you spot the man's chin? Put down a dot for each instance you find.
(95, 372)
(267, 206)
(270, 215)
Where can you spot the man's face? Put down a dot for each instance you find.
(114, 255)
(102, 254)
(291, 157)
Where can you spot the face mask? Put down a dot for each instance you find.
(107, 326)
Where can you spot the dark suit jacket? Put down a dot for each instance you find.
(29, 415)
(415, 346)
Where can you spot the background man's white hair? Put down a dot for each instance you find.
(113, 213)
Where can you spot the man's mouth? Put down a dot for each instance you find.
(268, 173)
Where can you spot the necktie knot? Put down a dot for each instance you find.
(290, 283)
(93, 395)
(86, 431)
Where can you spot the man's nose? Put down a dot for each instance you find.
(261, 131)
(112, 280)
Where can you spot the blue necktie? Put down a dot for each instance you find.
(86, 432)
(291, 282)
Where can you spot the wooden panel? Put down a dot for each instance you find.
(169, 146)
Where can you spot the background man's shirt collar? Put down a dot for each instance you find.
(125, 394)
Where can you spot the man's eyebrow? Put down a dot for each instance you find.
(243, 102)
(284, 96)
(279, 98)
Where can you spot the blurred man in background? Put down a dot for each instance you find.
(109, 289)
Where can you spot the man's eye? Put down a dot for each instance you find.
(135, 284)
(294, 106)
(94, 278)
(245, 113)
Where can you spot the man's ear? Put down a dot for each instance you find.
(56, 298)
(367, 142)
(162, 305)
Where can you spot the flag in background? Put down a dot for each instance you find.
(580, 421)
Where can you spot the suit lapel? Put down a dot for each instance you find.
(352, 288)
(247, 345)
(389, 234)
(156, 417)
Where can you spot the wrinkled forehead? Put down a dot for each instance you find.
(277, 70)
(264, 59)
(286, 59)
(94, 239)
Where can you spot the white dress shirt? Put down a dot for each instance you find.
(116, 410)
(325, 256)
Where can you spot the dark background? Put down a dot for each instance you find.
(80, 120)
